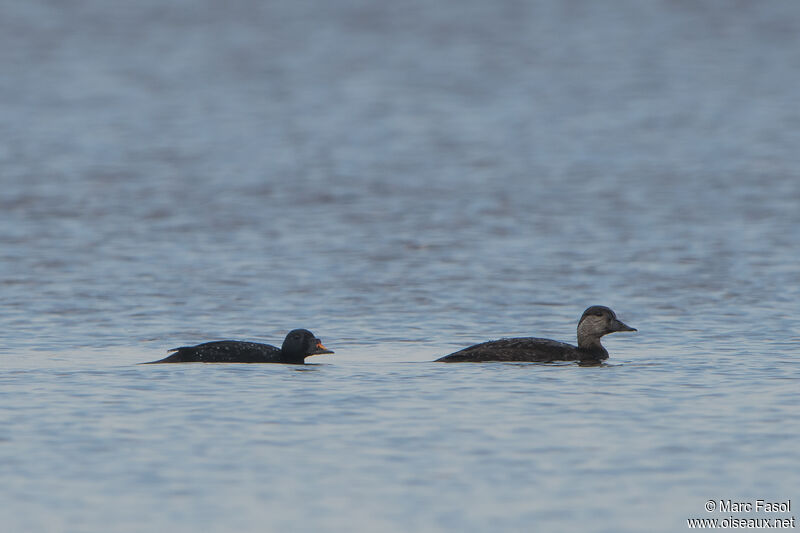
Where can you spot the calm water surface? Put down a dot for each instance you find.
(404, 179)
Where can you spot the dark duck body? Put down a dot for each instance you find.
(299, 344)
(595, 322)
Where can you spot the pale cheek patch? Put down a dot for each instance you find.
(592, 324)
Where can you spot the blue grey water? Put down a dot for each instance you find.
(404, 179)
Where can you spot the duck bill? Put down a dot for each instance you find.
(320, 349)
(618, 325)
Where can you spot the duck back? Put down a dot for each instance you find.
(225, 352)
(522, 349)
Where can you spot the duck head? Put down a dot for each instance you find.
(597, 321)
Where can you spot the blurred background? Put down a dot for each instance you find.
(380, 170)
